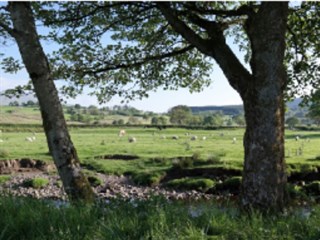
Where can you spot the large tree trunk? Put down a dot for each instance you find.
(264, 177)
(60, 145)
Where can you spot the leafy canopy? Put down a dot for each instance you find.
(129, 49)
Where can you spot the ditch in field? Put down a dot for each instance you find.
(208, 179)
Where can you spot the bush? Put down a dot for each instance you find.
(200, 184)
(36, 182)
(4, 178)
(148, 178)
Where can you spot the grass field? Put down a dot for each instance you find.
(94, 143)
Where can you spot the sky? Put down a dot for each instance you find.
(218, 93)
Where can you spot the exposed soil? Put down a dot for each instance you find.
(118, 157)
(305, 176)
(24, 165)
(212, 173)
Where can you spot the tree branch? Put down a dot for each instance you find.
(215, 47)
(139, 63)
(180, 27)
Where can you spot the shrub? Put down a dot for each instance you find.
(4, 178)
(36, 182)
(200, 184)
(4, 153)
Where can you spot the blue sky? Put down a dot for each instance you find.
(218, 93)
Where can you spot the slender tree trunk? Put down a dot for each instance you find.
(60, 145)
(264, 177)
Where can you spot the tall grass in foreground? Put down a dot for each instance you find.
(23, 218)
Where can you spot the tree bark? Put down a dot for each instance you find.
(60, 145)
(264, 177)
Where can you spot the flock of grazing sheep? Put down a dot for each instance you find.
(131, 139)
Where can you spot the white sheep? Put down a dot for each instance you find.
(193, 138)
(204, 138)
(122, 133)
(1, 140)
(234, 140)
(163, 137)
(29, 139)
(132, 139)
(175, 137)
(297, 138)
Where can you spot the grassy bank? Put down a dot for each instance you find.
(155, 219)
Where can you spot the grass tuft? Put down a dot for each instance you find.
(36, 182)
(200, 184)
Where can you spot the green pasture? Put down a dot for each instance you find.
(156, 149)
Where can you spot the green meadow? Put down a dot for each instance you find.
(103, 148)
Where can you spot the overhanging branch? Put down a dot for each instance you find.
(140, 62)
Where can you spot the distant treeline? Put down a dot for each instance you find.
(226, 110)
(38, 128)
